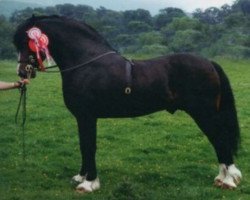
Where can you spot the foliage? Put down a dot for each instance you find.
(150, 38)
(137, 15)
(209, 32)
(155, 157)
(186, 41)
(210, 15)
(6, 48)
(8, 6)
(166, 16)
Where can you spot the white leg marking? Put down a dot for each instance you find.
(229, 177)
(18, 65)
(78, 178)
(88, 186)
(233, 177)
(221, 176)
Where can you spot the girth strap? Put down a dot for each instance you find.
(129, 65)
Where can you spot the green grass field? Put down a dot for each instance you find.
(155, 157)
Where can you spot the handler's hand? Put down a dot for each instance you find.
(22, 82)
(25, 81)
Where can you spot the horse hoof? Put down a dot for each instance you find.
(227, 183)
(228, 178)
(228, 187)
(218, 183)
(81, 190)
(236, 174)
(88, 186)
(237, 180)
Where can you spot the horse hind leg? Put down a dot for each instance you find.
(229, 176)
(215, 126)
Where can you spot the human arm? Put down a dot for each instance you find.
(12, 85)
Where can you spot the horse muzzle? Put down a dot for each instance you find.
(26, 71)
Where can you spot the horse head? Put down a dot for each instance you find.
(39, 36)
(32, 47)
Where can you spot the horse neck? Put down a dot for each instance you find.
(69, 49)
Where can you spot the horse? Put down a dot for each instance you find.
(98, 82)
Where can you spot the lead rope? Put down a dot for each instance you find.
(79, 65)
(22, 103)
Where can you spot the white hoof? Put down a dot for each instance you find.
(78, 178)
(88, 186)
(218, 181)
(229, 177)
(233, 176)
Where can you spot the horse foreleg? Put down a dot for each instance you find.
(87, 177)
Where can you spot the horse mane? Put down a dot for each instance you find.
(20, 36)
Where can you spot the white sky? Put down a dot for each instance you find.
(155, 5)
(191, 5)
(152, 5)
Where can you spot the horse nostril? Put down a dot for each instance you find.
(22, 74)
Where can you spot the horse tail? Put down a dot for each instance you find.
(227, 111)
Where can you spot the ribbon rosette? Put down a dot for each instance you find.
(39, 42)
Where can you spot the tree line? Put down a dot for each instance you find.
(212, 32)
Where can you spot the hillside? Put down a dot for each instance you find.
(8, 7)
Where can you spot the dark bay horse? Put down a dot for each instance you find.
(100, 83)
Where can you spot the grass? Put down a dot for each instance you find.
(155, 157)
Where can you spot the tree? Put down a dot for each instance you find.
(235, 20)
(124, 40)
(184, 23)
(138, 27)
(109, 17)
(187, 41)
(66, 10)
(225, 10)
(179, 25)
(51, 10)
(166, 16)
(20, 16)
(109, 23)
(242, 6)
(85, 13)
(137, 15)
(211, 15)
(7, 50)
(150, 38)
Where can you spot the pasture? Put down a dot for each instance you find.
(155, 157)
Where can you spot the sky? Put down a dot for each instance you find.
(152, 5)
